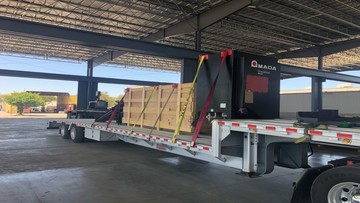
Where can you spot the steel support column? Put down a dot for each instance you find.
(90, 68)
(82, 95)
(92, 86)
(198, 40)
(198, 36)
(188, 70)
(316, 88)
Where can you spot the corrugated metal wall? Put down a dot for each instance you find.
(348, 103)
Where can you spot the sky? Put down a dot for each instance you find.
(14, 84)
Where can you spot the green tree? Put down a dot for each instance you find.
(105, 96)
(24, 99)
(2, 98)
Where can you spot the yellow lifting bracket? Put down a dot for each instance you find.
(143, 110)
(182, 113)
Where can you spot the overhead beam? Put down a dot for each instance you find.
(64, 77)
(294, 70)
(205, 20)
(193, 24)
(108, 56)
(325, 50)
(91, 39)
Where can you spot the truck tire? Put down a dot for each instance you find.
(77, 134)
(64, 131)
(337, 185)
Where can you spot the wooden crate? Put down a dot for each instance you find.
(136, 99)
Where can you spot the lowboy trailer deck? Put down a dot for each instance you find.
(252, 146)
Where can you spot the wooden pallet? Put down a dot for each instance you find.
(137, 97)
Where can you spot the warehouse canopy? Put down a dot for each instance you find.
(295, 31)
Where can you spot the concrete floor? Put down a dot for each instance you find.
(37, 165)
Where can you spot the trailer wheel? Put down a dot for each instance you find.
(64, 131)
(337, 185)
(77, 134)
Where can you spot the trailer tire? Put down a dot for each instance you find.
(340, 184)
(64, 131)
(77, 134)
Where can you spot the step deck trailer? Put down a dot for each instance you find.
(254, 142)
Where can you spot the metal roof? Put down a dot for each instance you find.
(266, 27)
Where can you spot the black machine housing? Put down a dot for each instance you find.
(248, 86)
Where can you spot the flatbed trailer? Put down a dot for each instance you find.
(252, 146)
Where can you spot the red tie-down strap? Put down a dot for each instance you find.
(116, 109)
(206, 106)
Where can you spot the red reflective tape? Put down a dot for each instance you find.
(206, 148)
(166, 140)
(235, 124)
(158, 138)
(183, 143)
(251, 126)
(144, 135)
(344, 135)
(221, 123)
(315, 132)
(195, 146)
(291, 130)
(270, 128)
(137, 134)
(150, 137)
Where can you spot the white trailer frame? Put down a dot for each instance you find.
(270, 131)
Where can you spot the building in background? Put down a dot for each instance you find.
(345, 98)
(63, 102)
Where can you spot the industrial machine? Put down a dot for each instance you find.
(239, 94)
(246, 87)
(94, 109)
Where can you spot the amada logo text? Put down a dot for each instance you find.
(255, 64)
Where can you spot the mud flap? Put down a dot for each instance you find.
(302, 187)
